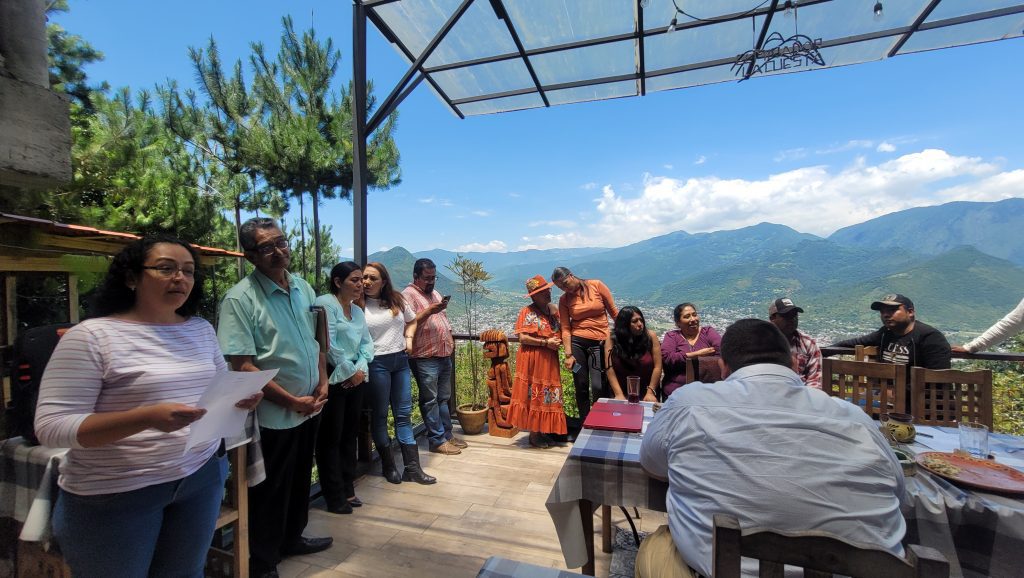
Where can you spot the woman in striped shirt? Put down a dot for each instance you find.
(120, 391)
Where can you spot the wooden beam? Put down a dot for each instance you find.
(11, 308)
(73, 298)
(55, 264)
(90, 244)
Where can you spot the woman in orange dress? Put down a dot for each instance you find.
(537, 388)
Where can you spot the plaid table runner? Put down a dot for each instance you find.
(980, 533)
(603, 467)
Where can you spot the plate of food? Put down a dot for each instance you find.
(974, 472)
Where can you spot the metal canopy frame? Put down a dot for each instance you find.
(963, 14)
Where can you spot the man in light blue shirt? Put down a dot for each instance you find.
(266, 323)
(761, 446)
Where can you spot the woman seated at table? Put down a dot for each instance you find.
(688, 341)
(536, 404)
(350, 354)
(632, 350)
(120, 390)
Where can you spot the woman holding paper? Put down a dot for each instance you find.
(120, 391)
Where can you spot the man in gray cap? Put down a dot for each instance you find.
(903, 339)
(786, 316)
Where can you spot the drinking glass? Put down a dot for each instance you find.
(974, 439)
(633, 388)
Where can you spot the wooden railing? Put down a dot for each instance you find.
(983, 356)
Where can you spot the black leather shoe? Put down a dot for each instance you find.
(343, 508)
(355, 502)
(309, 546)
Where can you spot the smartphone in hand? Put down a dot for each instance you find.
(446, 299)
(576, 367)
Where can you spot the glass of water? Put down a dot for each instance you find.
(974, 439)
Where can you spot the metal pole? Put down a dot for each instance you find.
(359, 175)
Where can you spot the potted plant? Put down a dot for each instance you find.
(471, 277)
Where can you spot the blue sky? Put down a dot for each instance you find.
(816, 151)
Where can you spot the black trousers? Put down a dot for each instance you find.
(336, 443)
(590, 381)
(279, 506)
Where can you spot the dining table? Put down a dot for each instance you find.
(981, 533)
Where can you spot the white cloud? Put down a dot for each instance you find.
(667, 167)
(700, 160)
(564, 224)
(515, 195)
(790, 155)
(427, 200)
(814, 199)
(588, 186)
(846, 146)
(483, 213)
(885, 147)
(432, 200)
(492, 247)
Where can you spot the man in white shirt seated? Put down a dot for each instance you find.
(761, 446)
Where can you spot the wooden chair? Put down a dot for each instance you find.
(820, 554)
(945, 397)
(877, 387)
(865, 353)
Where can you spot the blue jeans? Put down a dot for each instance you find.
(390, 385)
(434, 375)
(160, 530)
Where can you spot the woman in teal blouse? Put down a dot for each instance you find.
(350, 353)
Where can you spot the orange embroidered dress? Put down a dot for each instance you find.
(537, 387)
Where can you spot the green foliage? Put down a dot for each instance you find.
(471, 277)
(331, 254)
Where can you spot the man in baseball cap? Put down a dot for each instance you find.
(903, 339)
(786, 316)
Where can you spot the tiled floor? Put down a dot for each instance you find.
(489, 500)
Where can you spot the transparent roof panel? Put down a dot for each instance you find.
(954, 8)
(595, 92)
(970, 33)
(543, 23)
(701, 44)
(585, 63)
(506, 104)
(584, 41)
(491, 78)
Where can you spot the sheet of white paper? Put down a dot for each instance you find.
(223, 419)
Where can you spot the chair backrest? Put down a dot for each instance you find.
(949, 396)
(820, 554)
(865, 353)
(705, 369)
(877, 387)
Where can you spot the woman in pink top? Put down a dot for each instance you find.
(583, 311)
(120, 390)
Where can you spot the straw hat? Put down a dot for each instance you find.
(536, 284)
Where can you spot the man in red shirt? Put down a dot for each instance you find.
(431, 360)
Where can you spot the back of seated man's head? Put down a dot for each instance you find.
(751, 341)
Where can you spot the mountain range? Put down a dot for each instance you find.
(960, 263)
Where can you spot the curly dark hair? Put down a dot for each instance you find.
(113, 295)
(625, 345)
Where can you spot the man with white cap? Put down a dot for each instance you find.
(785, 315)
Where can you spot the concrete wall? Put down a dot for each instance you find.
(35, 131)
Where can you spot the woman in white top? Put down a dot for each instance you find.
(120, 390)
(392, 325)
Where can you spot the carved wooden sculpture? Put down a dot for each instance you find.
(499, 382)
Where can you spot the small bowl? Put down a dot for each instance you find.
(907, 462)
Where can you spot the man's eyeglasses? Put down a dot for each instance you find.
(268, 248)
(168, 271)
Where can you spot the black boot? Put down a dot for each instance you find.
(413, 471)
(387, 465)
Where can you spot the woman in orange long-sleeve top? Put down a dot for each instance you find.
(583, 311)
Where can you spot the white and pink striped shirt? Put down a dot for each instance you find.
(108, 364)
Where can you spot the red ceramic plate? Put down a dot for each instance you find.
(974, 472)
